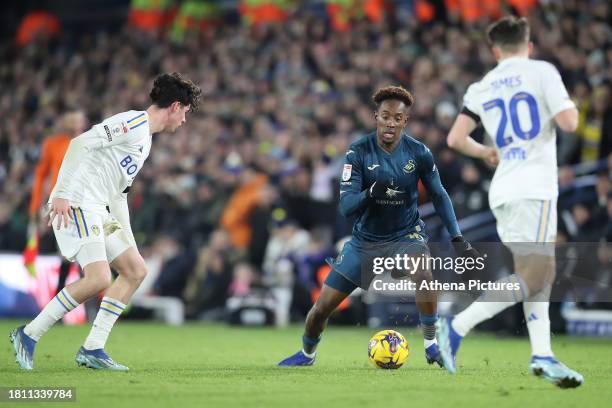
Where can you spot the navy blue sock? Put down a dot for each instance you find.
(310, 344)
(429, 325)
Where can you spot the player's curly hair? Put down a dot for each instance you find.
(509, 33)
(393, 92)
(170, 88)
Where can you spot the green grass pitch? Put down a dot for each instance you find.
(217, 365)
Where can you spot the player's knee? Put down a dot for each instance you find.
(135, 272)
(101, 281)
(97, 277)
(535, 287)
(140, 273)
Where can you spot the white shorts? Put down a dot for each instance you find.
(527, 222)
(91, 236)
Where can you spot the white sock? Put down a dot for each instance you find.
(488, 305)
(61, 304)
(538, 325)
(311, 355)
(110, 310)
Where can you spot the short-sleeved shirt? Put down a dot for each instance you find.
(516, 103)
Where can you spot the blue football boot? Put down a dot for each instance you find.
(433, 355)
(98, 359)
(449, 341)
(24, 347)
(555, 372)
(298, 359)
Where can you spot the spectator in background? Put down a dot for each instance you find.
(236, 218)
(590, 128)
(209, 281)
(287, 244)
(469, 196)
(12, 238)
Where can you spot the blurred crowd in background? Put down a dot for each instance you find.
(245, 193)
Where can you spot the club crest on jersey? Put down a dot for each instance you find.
(409, 167)
(346, 172)
(95, 229)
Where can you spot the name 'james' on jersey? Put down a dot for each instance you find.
(114, 151)
(517, 102)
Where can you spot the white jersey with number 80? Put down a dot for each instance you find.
(112, 152)
(516, 103)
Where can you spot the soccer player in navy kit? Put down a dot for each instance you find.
(379, 186)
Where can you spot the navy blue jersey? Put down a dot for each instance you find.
(389, 219)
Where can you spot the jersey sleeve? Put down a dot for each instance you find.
(353, 195)
(556, 97)
(471, 106)
(428, 172)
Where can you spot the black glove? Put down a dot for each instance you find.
(383, 189)
(464, 249)
(378, 190)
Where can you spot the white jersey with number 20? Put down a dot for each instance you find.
(516, 103)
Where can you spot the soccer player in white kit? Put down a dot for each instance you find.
(519, 103)
(96, 173)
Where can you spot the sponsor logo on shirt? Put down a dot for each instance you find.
(392, 192)
(515, 153)
(108, 133)
(372, 167)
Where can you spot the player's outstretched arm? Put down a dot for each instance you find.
(441, 201)
(353, 195)
(459, 139)
(443, 205)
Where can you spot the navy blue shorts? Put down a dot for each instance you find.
(347, 269)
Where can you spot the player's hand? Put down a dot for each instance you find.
(378, 190)
(60, 209)
(491, 156)
(464, 249)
